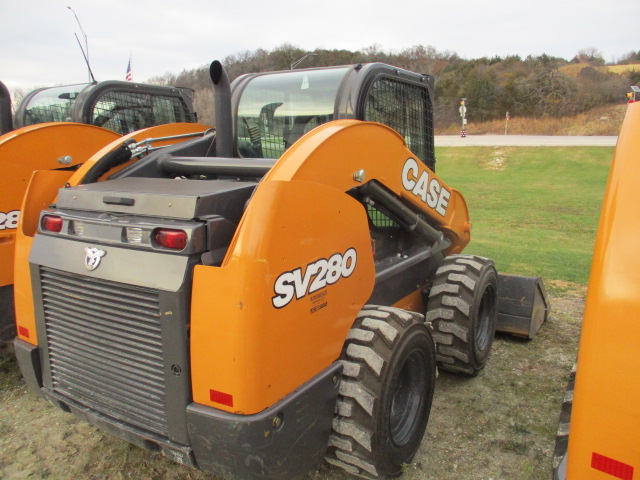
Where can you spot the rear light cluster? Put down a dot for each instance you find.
(174, 239)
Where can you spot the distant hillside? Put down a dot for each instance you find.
(539, 88)
(605, 120)
(622, 69)
(575, 69)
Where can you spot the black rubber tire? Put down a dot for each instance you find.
(7, 316)
(385, 393)
(462, 309)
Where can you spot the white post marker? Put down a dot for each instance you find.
(463, 113)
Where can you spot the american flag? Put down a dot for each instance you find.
(129, 77)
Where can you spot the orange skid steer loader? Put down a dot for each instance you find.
(260, 299)
(80, 120)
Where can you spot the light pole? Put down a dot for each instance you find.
(86, 43)
(300, 60)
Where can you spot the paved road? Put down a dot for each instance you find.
(523, 141)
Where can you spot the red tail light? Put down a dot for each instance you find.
(168, 238)
(51, 223)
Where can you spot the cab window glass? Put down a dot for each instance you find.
(275, 110)
(52, 105)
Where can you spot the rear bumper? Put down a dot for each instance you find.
(282, 442)
(29, 362)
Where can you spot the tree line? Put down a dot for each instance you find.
(534, 86)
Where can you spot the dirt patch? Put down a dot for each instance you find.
(496, 159)
(498, 425)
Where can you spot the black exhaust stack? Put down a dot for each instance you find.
(222, 117)
(6, 120)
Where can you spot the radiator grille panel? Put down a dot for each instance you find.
(105, 349)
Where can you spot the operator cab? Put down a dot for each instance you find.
(273, 110)
(122, 107)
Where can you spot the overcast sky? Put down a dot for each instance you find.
(39, 48)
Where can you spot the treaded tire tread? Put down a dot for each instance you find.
(454, 300)
(378, 339)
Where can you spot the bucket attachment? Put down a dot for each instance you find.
(523, 305)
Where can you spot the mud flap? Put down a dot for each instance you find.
(523, 305)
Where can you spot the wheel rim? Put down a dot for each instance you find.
(483, 321)
(408, 398)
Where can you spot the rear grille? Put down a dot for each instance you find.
(105, 349)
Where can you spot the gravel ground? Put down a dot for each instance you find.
(499, 425)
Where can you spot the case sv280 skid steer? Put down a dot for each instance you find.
(253, 301)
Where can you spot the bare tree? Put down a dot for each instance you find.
(590, 55)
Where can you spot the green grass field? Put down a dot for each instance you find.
(535, 211)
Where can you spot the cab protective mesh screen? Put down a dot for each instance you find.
(126, 112)
(407, 109)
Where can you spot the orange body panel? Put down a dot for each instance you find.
(44, 187)
(37, 147)
(243, 345)
(255, 338)
(605, 418)
(413, 302)
(383, 155)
